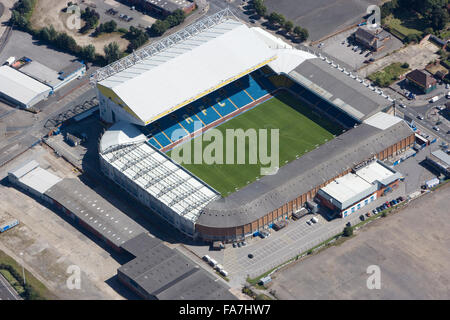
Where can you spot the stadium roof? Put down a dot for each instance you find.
(382, 120)
(166, 274)
(215, 56)
(348, 92)
(301, 175)
(20, 87)
(158, 175)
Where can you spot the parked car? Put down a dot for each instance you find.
(234, 244)
(374, 211)
(348, 224)
(239, 244)
(420, 117)
(401, 105)
(244, 243)
(308, 222)
(250, 256)
(361, 217)
(368, 214)
(436, 128)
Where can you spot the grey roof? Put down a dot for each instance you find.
(301, 175)
(72, 68)
(442, 156)
(346, 93)
(170, 5)
(365, 35)
(167, 274)
(93, 210)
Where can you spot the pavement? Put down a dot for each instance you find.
(6, 291)
(282, 245)
(409, 247)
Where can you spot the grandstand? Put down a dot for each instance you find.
(170, 91)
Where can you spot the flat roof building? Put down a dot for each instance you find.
(354, 190)
(21, 90)
(440, 161)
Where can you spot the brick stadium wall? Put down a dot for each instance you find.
(238, 232)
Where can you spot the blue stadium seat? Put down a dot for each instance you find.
(221, 103)
(153, 142)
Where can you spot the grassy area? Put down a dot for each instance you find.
(405, 24)
(12, 281)
(300, 131)
(389, 74)
(39, 288)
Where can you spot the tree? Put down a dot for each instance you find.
(112, 52)
(159, 27)
(301, 33)
(439, 18)
(348, 231)
(88, 52)
(288, 26)
(260, 8)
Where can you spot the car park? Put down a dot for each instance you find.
(234, 245)
(374, 211)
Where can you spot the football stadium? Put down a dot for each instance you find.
(220, 73)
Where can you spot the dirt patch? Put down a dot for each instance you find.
(418, 56)
(410, 247)
(49, 12)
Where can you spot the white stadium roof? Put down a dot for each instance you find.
(154, 86)
(20, 87)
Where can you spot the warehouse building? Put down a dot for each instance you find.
(21, 90)
(154, 271)
(357, 189)
(440, 161)
(159, 272)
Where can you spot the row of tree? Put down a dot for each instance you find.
(434, 12)
(278, 20)
(159, 27)
(29, 293)
(107, 27)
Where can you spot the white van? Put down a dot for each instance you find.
(224, 273)
(206, 258)
(434, 99)
(218, 267)
(212, 262)
(448, 95)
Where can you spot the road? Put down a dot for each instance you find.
(6, 291)
(428, 122)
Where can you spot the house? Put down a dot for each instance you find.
(421, 80)
(371, 39)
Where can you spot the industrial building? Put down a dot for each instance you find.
(159, 272)
(21, 90)
(205, 58)
(357, 189)
(154, 270)
(440, 161)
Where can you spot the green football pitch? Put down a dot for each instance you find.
(300, 131)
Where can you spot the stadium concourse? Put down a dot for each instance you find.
(170, 91)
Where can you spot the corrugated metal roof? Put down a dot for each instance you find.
(19, 86)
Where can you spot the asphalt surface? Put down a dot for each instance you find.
(6, 291)
(321, 17)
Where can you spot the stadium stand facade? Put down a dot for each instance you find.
(211, 81)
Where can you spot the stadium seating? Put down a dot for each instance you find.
(208, 109)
